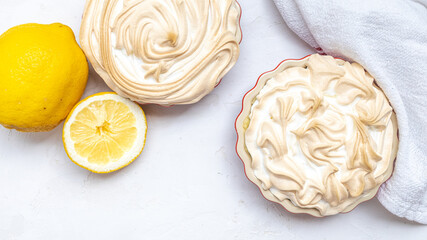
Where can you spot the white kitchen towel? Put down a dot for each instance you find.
(389, 38)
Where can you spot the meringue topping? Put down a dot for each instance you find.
(321, 135)
(162, 51)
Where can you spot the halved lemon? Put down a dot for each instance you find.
(104, 132)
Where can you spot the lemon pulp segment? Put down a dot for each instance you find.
(103, 131)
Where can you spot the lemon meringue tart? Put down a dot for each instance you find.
(165, 52)
(317, 135)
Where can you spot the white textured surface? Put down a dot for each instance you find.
(188, 182)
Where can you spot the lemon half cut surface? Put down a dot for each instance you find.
(104, 132)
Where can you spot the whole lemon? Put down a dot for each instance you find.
(43, 74)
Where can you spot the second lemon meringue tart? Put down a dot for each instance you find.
(317, 135)
(161, 51)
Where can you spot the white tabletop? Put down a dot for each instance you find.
(188, 183)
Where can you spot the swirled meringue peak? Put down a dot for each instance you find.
(165, 52)
(317, 135)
